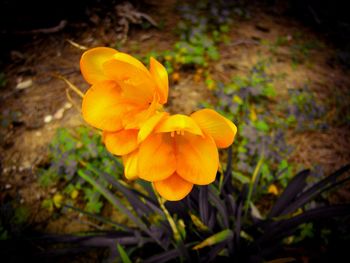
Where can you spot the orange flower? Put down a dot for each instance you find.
(180, 151)
(125, 101)
(124, 93)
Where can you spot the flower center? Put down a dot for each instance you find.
(177, 132)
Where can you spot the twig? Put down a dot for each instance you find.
(49, 30)
(72, 101)
(71, 85)
(74, 44)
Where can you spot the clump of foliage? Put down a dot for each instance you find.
(299, 49)
(203, 26)
(304, 112)
(247, 101)
(263, 120)
(69, 152)
(215, 222)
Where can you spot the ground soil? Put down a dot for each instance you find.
(43, 56)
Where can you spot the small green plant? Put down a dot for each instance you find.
(202, 28)
(246, 100)
(70, 151)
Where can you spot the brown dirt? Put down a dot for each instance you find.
(24, 145)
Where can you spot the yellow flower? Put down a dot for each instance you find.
(273, 189)
(124, 93)
(180, 151)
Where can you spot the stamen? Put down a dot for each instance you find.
(178, 132)
(172, 134)
(182, 132)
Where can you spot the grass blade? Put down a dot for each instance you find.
(282, 228)
(118, 205)
(123, 255)
(220, 206)
(294, 187)
(324, 185)
(100, 218)
(215, 239)
(204, 204)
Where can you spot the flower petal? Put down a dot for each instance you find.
(136, 118)
(197, 158)
(215, 125)
(120, 56)
(121, 142)
(173, 188)
(103, 108)
(179, 123)
(137, 84)
(160, 75)
(130, 162)
(91, 63)
(156, 157)
(148, 126)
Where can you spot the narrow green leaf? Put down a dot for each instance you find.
(215, 239)
(198, 223)
(123, 255)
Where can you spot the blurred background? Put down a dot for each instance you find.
(278, 69)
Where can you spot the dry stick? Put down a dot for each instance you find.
(78, 46)
(72, 101)
(49, 30)
(71, 85)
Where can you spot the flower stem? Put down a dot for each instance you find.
(176, 232)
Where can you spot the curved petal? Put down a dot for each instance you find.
(136, 84)
(148, 126)
(179, 123)
(156, 158)
(197, 158)
(91, 63)
(121, 142)
(160, 75)
(130, 162)
(136, 118)
(120, 56)
(222, 130)
(103, 108)
(173, 188)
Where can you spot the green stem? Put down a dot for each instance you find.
(118, 205)
(251, 185)
(176, 232)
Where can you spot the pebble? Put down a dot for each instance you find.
(59, 114)
(24, 84)
(48, 118)
(67, 105)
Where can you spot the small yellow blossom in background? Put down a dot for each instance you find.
(125, 101)
(253, 117)
(237, 99)
(74, 194)
(273, 189)
(57, 200)
(176, 77)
